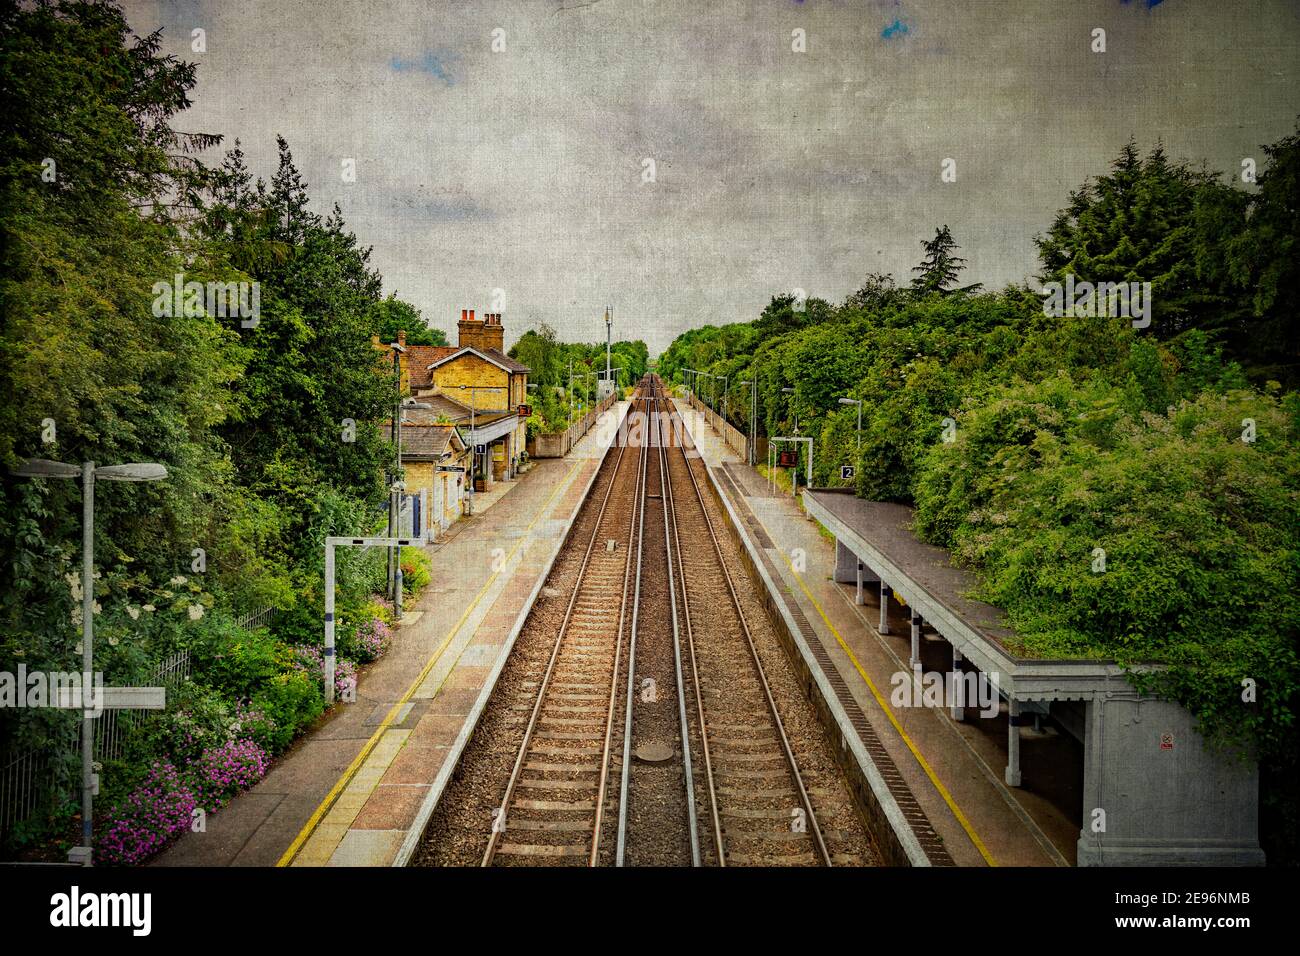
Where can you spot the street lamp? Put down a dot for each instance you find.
(753, 417)
(396, 437)
(136, 471)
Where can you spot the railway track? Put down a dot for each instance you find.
(758, 804)
(555, 799)
(638, 723)
(657, 819)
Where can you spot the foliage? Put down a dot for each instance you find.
(1027, 440)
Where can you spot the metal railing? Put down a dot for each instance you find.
(31, 781)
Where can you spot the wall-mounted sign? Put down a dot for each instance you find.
(847, 472)
(1166, 741)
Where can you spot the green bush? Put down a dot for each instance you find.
(293, 700)
(416, 570)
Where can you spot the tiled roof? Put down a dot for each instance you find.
(443, 407)
(420, 357)
(507, 361)
(492, 355)
(421, 442)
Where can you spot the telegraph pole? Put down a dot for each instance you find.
(609, 340)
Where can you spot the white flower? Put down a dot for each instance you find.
(112, 642)
(94, 607)
(177, 580)
(196, 611)
(78, 648)
(133, 612)
(149, 607)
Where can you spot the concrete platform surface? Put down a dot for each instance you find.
(358, 787)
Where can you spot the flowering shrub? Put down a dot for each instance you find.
(158, 810)
(372, 640)
(312, 661)
(254, 723)
(224, 771)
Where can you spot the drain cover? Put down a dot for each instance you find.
(654, 751)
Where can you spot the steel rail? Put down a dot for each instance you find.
(624, 782)
(499, 825)
(638, 502)
(815, 828)
(672, 546)
(715, 816)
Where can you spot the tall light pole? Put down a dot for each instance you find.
(857, 402)
(136, 471)
(790, 391)
(393, 500)
(609, 339)
(753, 418)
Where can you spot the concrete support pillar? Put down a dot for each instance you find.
(884, 607)
(958, 686)
(858, 597)
(1013, 743)
(916, 639)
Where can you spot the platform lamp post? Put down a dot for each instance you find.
(857, 402)
(136, 471)
(396, 437)
(395, 491)
(753, 418)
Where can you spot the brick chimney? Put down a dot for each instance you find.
(494, 334)
(401, 338)
(471, 330)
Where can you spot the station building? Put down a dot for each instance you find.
(472, 389)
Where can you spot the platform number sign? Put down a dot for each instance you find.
(480, 449)
(1166, 741)
(847, 472)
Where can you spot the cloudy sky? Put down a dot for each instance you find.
(523, 169)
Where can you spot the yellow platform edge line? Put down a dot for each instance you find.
(884, 706)
(314, 820)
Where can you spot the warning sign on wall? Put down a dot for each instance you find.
(1166, 741)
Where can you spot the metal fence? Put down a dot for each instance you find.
(32, 780)
(254, 619)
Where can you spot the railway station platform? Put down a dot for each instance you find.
(358, 788)
(977, 819)
(1064, 763)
